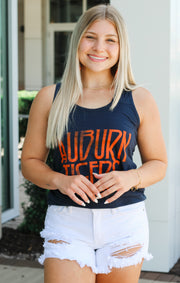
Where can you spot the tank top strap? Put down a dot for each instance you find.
(58, 85)
(126, 97)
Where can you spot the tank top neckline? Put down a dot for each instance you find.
(94, 109)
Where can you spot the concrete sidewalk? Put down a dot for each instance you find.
(16, 274)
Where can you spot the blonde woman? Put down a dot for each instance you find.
(96, 227)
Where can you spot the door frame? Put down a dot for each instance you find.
(13, 111)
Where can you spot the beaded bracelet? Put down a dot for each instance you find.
(135, 188)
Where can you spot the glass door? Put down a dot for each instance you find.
(61, 43)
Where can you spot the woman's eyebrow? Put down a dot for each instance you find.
(111, 34)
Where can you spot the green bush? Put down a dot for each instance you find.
(25, 99)
(34, 213)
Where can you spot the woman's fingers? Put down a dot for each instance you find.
(102, 179)
(72, 195)
(109, 191)
(78, 185)
(105, 185)
(92, 189)
(115, 196)
(116, 182)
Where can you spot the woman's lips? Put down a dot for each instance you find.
(97, 58)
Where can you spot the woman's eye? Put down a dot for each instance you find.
(89, 37)
(111, 40)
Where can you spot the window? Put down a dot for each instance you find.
(65, 11)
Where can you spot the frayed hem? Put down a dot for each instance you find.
(42, 259)
(123, 262)
(112, 262)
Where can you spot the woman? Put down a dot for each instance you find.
(96, 227)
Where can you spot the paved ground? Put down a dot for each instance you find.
(35, 275)
(17, 271)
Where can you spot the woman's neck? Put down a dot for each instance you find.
(97, 81)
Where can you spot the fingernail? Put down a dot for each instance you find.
(96, 201)
(83, 204)
(88, 201)
(98, 195)
(106, 202)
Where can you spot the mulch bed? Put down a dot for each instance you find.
(16, 243)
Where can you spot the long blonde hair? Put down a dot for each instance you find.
(71, 85)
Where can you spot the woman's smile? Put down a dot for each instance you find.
(96, 58)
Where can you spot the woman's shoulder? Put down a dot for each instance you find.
(43, 100)
(46, 93)
(141, 94)
(143, 100)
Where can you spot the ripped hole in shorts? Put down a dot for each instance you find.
(58, 242)
(127, 252)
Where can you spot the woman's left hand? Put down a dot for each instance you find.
(117, 182)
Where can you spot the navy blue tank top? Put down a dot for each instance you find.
(98, 140)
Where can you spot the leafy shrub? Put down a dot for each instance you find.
(34, 213)
(25, 99)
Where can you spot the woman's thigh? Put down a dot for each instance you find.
(66, 271)
(128, 274)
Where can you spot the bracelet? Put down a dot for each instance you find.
(135, 188)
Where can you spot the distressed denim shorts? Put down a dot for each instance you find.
(98, 238)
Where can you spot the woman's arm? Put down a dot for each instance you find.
(152, 149)
(35, 153)
(150, 139)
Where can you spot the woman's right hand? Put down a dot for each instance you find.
(78, 185)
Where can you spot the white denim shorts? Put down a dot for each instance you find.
(98, 238)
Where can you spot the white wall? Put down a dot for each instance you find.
(152, 27)
(33, 44)
(174, 164)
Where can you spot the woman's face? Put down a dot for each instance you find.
(99, 47)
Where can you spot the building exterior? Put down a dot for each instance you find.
(44, 29)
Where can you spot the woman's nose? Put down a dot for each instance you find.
(98, 45)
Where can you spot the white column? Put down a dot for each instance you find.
(154, 33)
(33, 44)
